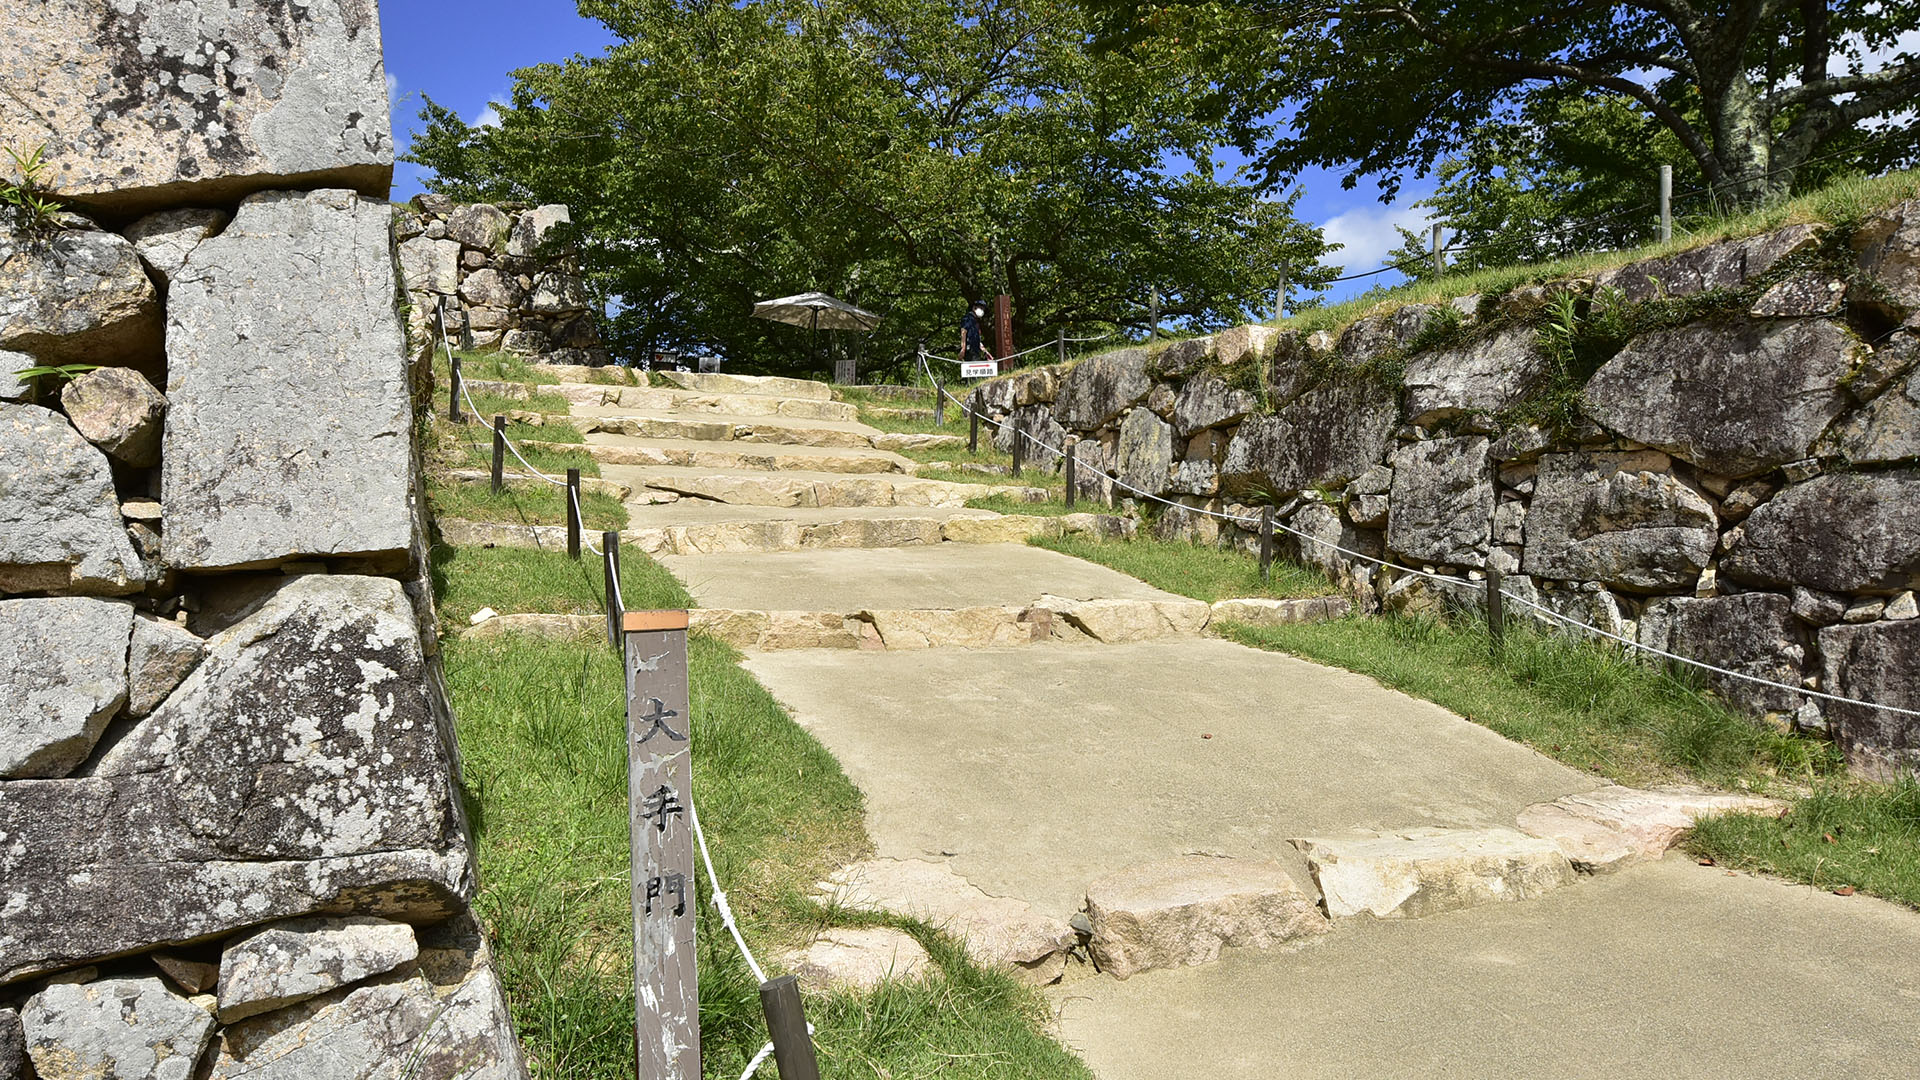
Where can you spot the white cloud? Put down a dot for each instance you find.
(1367, 233)
(489, 117)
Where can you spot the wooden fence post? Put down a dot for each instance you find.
(573, 513)
(1439, 256)
(1153, 312)
(1072, 471)
(973, 431)
(1266, 545)
(454, 390)
(787, 1026)
(659, 788)
(1019, 439)
(1060, 345)
(499, 453)
(610, 562)
(1666, 203)
(1496, 611)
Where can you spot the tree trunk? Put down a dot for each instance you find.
(1742, 133)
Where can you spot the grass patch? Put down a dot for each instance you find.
(474, 450)
(543, 745)
(1195, 570)
(1053, 507)
(503, 366)
(486, 404)
(532, 504)
(1586, 704)
(1844, 834)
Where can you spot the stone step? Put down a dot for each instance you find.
(996, 931)
(528, 481)
(1614, 827)
(1424, 871)
(1049, 619)
(766, 535)
(1181, 912)
(770, 431)
(769, 385)
(812, 488)
(625, 450)
(658, 399)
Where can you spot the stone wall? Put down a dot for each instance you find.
(231, 833)
(1715, 452)
(509, 280)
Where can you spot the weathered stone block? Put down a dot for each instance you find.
(291, 961)
(1484, 377)
(1879, 663)
(1100, 388)
(1886, 431)
(995, 930)
(1209, 402)
(432, 266)
(1182, 911)
(491, 289)
(147, 103)
(1736, 399)
(65, 677)
(1613, 827)
(1622, 519)
(859, 958)
(76, 296)
(1324, 437)
(288, 426)
(164, 240)
(119, 411)
(115, 1029)
(1441, 507)
(60, 528)
(1841, 532)
(1753, 633)
(530, 231)
(1146, 452)
(479, 225)
(1889, 249)
(303, 768)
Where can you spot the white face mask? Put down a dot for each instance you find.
(979, 312)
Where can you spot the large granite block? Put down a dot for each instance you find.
(288, 415)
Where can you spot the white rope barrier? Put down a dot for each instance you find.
(1452, 582)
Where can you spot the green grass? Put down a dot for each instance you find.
(532, 504)
(1053, 507)
(1844, 834)
(543, 744)
(473, 449)
(1201, 572)
(502, 366)
(487, 404)
(1588, 705)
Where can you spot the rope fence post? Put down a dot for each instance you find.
(1060, 345)
(1280, 294)
(1439, 257)
(454, 390)
(1153, 312)
(610, 562)
(1018, 439)
(499, 453)
(787, 1024)
(1072, 471)
(1266, 545)
(973, 431)
(1496, 611)
(1666, 203)
(573, 513)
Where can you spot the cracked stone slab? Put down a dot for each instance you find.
(996, 930)
(60, 527)
(1425, 871)
(114, 1029)
(1117, 621)
(303, 768)
(1180, 912)
(1616, 826)
(287, 962)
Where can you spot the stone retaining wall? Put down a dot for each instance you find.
(1715, 452)
(231, 833)
(508, 279)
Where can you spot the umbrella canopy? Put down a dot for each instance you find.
(816, 311)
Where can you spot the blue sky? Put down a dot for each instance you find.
(462, 56)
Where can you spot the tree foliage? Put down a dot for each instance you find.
(1750, 91)
(907, 155)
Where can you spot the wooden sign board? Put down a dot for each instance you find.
(1003, 326)
(659, 787)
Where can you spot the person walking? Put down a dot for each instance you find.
(971, 348)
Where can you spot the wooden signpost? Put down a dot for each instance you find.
(659, 789)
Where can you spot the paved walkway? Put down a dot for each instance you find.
(1031, 771)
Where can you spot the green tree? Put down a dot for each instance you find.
(1750, 90)
(906, 155)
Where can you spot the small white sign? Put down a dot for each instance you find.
(979, 369)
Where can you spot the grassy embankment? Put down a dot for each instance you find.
(542, 737)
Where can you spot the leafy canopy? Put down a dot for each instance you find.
(906, 155)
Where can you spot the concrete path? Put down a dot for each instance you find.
(946, 576)
(1666, 970)
(1040, 770)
